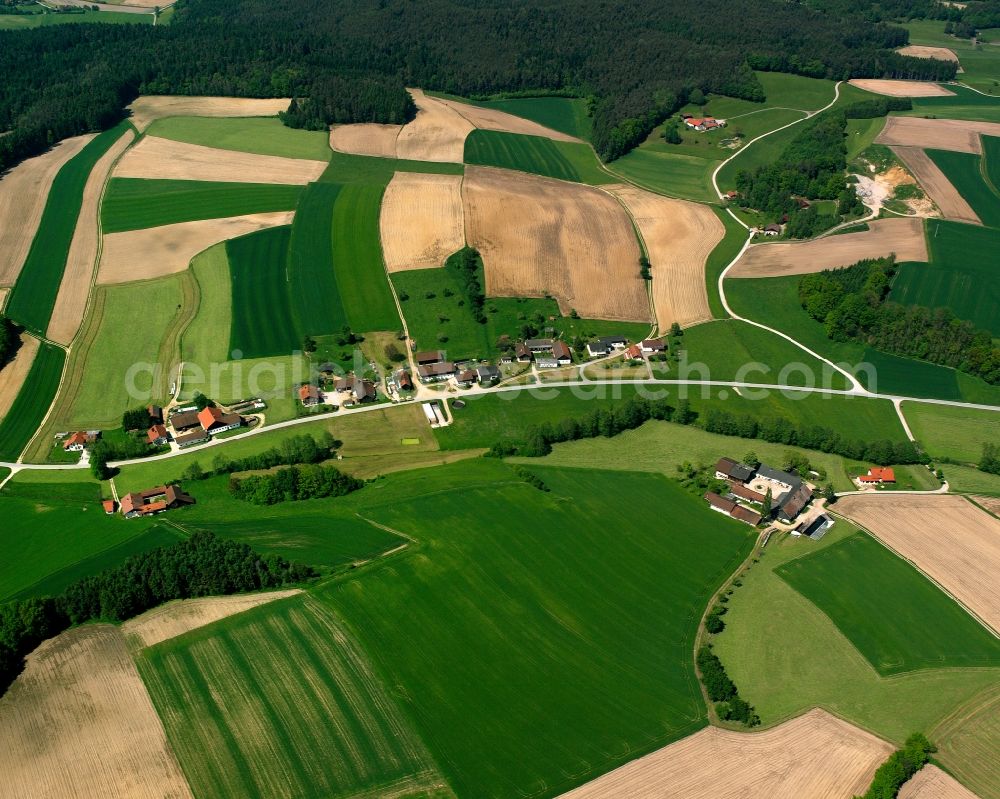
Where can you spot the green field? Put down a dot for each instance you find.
(541, 156)
(967, 175)
(720, 258)
(281, 701)
(344, 168)
(952, 432)
(966, 104)
(205, 341)
(32, 403)
(23, 21)
(133, 203)
(566, 114)
(991, 160)
(263, 323)
(787, 656)
(966, 479)
(686, 176)
(896, 617)
(861, 134)
(263, 135)
(529, 612)
(968, 743)
(981, 63)
(31, 300)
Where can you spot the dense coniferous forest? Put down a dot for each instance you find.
(350, 61)
(963, 21)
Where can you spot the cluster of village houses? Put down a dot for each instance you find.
(748, 487)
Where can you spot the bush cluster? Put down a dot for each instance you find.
(465, 266)
(723, 691)
(901, 765)
(293, 483)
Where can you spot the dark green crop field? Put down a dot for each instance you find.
(565, 114)
(555, 159)
(897, 618)
(991, 160)
(134, 203)
(32, 403)
(965, 171)
(262, 314)
(34, 294)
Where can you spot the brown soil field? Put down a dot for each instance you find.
(421, 221)
(992, 504)
(938, 134)
(933, 181)
(154, 157)
(905, 237)
(71, 302)
(932, 783)
(168, 249)
(79, 723)
(177, 618)
(437, 134)
(146, 110)
(541, 237)
(679, 236)
(815, 755)
(901, 88)
(366, 138)
(23, 192)
(13, 374)
(948, 538)
(921, 51)
(492, 119)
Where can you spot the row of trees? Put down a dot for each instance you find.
(900, 767)
(852, 303)
(465, 266)
(722, 690)
(292, 484)
(203, 565)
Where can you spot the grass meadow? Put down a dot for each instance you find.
(688, 177)
(968, 743)
(966, 173)
(895, 616)
(263, 322)
(787, 656)
(991, 160)
(573, 161)
(25, 416)
(15, 22)
(952, 432)
(134, 203)
(968, 480)
(205, 341)
(263, 135)
(281, 701)
(965, 104)
(33, 296)
(720, 258)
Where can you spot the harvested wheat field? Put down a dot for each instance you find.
(936, 184)
(23, 192)
(421, 221)
(154, 157)
(932, 783)
(992, 504)
(815, 755)
(365, 138)
(71, 302)
(182, 616)
(901, 88)
(3, 297)
(493, 119)
(13, 373)
(168, 249)
(540, 237)
(904, 237)
(679, 237)
(146, 110)
(948, 538)
(937, 134)
(79, 723)
(921, 51)
(436, 134)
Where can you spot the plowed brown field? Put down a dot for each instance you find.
(937, 134)
(23, 192)
(71, 302)
(948, 538)
(540, 237)
(901, 88)
(932, 783)
(12, 375)
(168, 249)
(79, 723)
(146, 110)
(679, 237)
(154, 157)
(904, 237)
(422, 221)
(815, 755)
(945, 196)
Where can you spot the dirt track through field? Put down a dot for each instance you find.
(904, 237)
(922, 51)
(168, 249)
(901, 88)
(815, 755)
(154, 157)
(493, 119)
(421, 222)
(177, 618)
(23, 193)
(13, 374)
(679, 236)
(146, 110)
(79, 723)
(71, 302)
(947, 537)
(936, 184)
(541, 237)
(365, 138)
(932, 783)
(436, 134)
(958, 135)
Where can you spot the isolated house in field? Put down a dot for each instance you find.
(185, 420)
(157, 435)
(191, 437)
(561, 352)
(522, 353)
(878, 475)
(436, 372)
(110, 506)
(309, 395)
(215, 421)
(429, 357)
(76, 442)
(653, 346)
(772, 230)
(487, 375)
(154, 500)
